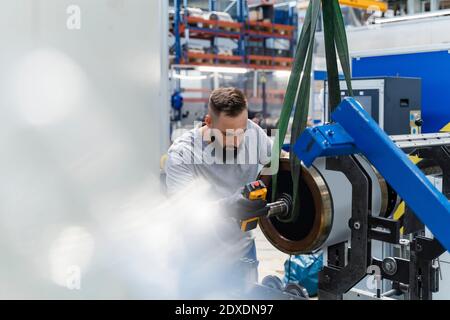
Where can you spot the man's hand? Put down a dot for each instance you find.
(238, 206)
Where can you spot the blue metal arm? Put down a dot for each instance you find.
(356, 132)
(324, 141)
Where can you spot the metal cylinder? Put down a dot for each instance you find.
(325, 199)
(281, 207)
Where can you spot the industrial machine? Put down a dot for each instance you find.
(393, 102)
(430, 62)
(353, 178)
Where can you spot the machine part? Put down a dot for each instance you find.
(393, 269)
(313, 225)
(384, 229)
(390, 101)
(441, 156)
(324, 193)
(385, 210)
(428, 203)
(404, 242)
(280, 208)
(415, 121)
(389, 198)
(393, 201)
(296, 290)
(413, 141)
(358, 294)
(389, 266)
(391, 293)
(429, 166)
(380, 195)
(336, 255)
(335, 281)
(272, 282)
(424, 275)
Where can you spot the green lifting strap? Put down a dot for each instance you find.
(298, 90)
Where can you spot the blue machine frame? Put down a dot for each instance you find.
(356, 132)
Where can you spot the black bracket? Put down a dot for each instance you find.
(424, 279)
(334, 281)
(384, 229)
(399, 274)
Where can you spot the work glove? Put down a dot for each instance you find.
(238, 206)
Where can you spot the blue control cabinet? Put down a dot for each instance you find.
(433, 67)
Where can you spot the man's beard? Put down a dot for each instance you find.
(229, 153)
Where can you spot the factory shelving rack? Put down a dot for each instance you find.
(243, 31)
(263, 63)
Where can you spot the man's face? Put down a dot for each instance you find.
(231, 130)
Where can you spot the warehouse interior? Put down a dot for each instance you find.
(102, 103)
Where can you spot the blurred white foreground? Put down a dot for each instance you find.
(83, 122)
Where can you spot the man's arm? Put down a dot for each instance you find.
(178, 173)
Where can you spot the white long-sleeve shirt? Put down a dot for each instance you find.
(190, 158)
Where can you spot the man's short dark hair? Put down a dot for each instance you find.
(230, 101)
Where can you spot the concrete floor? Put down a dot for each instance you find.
(271, 261)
